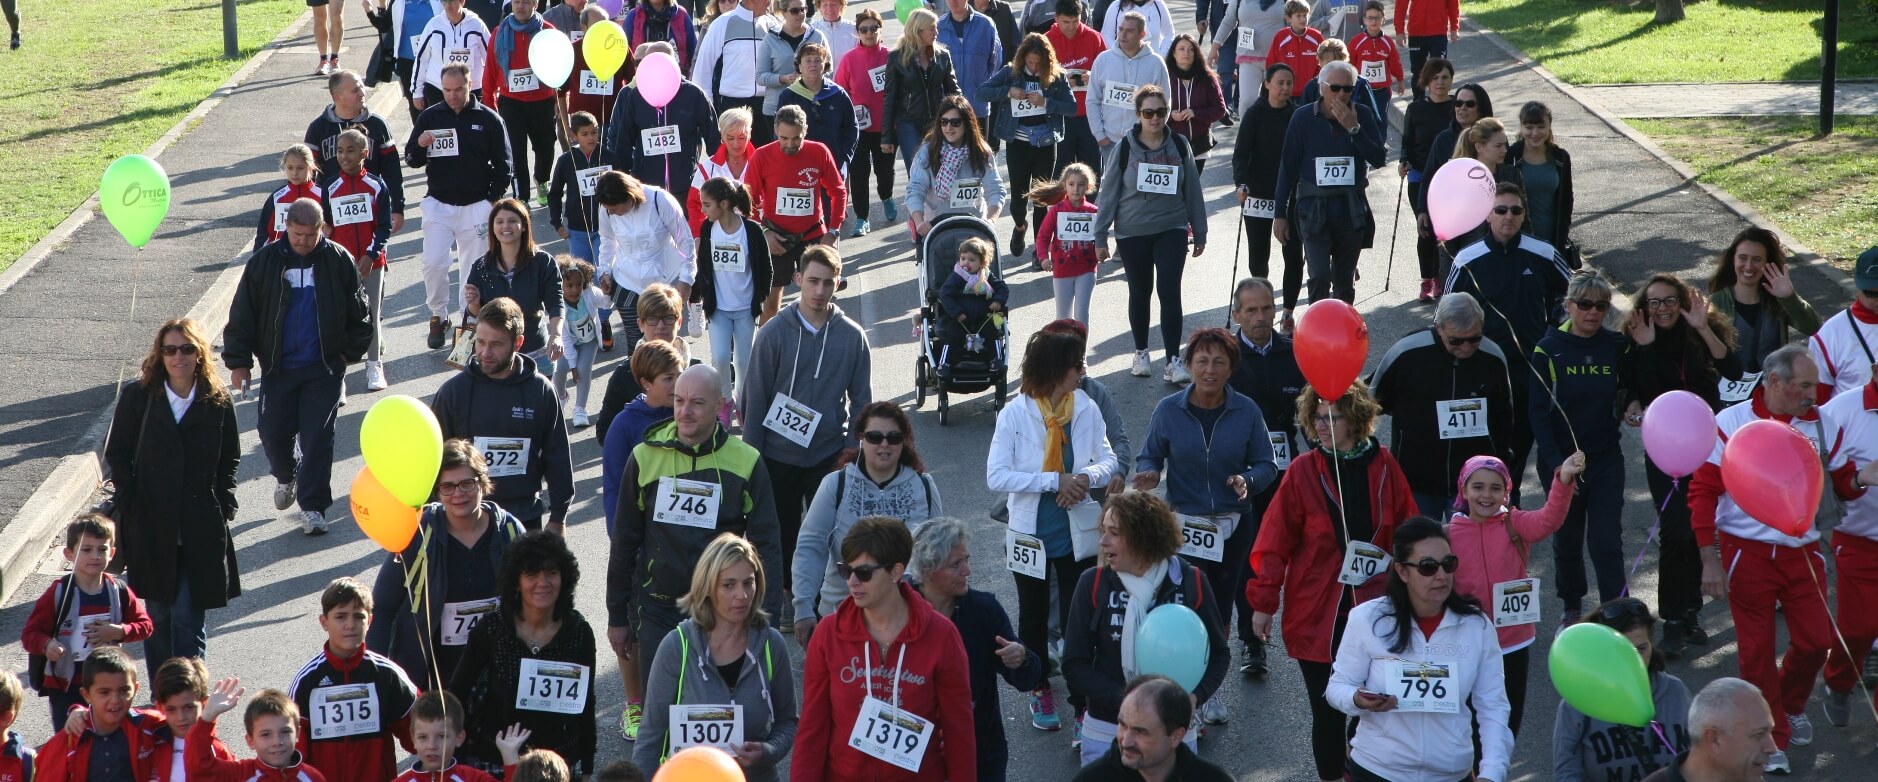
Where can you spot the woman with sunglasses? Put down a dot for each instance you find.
(1424, 120)
(1050, 447)
(1486, 142)
(906, 711)
(1678, 343)
(1039, 99)
(1751, 289)
(1323, 545)
(456, 553)
(954, 171)
(1402, 671)
(1576, 375)
(776, 57)
(863, 73)
(882, 477)
(1590, 750)
(1152, 200)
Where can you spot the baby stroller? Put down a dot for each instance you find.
(980, 366)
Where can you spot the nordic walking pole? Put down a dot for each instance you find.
(1395, 228)
(1238, 240)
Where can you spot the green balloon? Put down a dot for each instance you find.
(135, 194)
(1601, 675)
(905, 8)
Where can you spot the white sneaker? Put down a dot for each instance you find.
(1777, 764)
(283, 495)
(342, 391)
(1212, 712)
(375, 376)
(313, 523)
(1176, 372)
(580, 419)
(1142, 363)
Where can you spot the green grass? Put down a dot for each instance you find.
(98, 80)
(1603, 42)
(1824, 192)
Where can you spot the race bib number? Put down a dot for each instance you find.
(1022, 107)
(523, 80)
(965, 194)
(795, 421)
(1078, 80)
(687, 503)
(1248, 41)
(460, 618)
(506, 456)
(456, 57)
(795, 202)
(1733, 391)
(1336, 171)
(862, 117)
(591, 84)
(1076, 228)
(590, 179)
(443, 143)
(707, 725)
(728, 257)
(1516, 602)
(553, 686)
(879, 77)
(1157, 178)
(344, 710)
(280, 217)
(1024, 554)
(1461, 418)
(1203, 537)
(585, 329)
(1119, 95)
(352, 209)
(662, 140)
(1281, 449)
(1374, 71)
(1260, 207)
(1427, 687)
(1362, 562)
(889, 734)
(80, 645)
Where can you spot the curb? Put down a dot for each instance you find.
(1802, 256)
(70, 487)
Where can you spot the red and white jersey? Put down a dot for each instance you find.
(1846, 348)
(1712, 509)
(1857, 414)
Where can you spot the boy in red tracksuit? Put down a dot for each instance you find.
(118, 742)
(82, 612)
(788, 178)
(1296, 46)
(436, 732)
(1376, 57)
(16, 758)
(1432, 25)
(271, 721)
(181, 689)
(358, 207)
(1076, 46)
(353, 703)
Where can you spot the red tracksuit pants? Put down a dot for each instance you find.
(1759, 576)
(1858, 608)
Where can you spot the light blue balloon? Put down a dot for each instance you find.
(1172, 642)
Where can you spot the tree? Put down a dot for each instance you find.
(1668, 11)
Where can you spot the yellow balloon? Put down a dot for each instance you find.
(604, 48)
(381, 515)
(403, 445)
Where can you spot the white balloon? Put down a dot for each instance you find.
(552, 57)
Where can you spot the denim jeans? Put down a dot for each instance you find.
(908, 136)
(731, 334)
(583, 245)
(180, 628)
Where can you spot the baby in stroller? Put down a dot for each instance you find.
(972, 302)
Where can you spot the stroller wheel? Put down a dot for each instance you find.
(1003, 389)
(944, 406)
(921, 371)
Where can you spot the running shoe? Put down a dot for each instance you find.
(893, 212)
(1692, 625)
(580, 419)
(1777, 764)
(1802, 730)
(324, 69)
(1017, 240)
(541, 195)
(860, 227)
(1428, 290)
(375, 376)
(1143, 364)
(1213, 712)
(1254, 658)
(283, 495)
(1871, 669)
(1176, 372)
(437, 328)
(313, 523)
(606, 335)
(1043, 710)
(1075, 739)
(630, 719)
(16, 41)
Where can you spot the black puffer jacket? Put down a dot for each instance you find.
(913, 93)
(260, 306)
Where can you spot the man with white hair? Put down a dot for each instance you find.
(1732, 735)
(1329, 148)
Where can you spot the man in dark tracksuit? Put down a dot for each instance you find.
(1268, 374)
(346, 112)
(301, 312)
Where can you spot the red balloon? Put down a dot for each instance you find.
(1331, 343)
(1772, 471)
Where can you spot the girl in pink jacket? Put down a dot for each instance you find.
(1495, 548)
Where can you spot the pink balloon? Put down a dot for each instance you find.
(1459, 197)
(1679, 433)
(658, 79)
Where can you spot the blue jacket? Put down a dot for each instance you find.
(981, 621)
(626, 432)
(1196, 481)
(975, 55)
(1584, 373)
(1313, 135)
(831, 117)
(956, 302)
(690, 110)
(1058, 102)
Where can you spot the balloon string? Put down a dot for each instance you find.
(1521, 349)
(1654, 526)
(1843, 646)
(1336, 468)
(136, 280)
(1657, 728)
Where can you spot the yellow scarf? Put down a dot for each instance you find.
(1056, 421)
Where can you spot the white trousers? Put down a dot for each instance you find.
(444, 224)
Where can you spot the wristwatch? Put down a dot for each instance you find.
(1357, 128)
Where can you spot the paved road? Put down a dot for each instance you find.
(1637, 217)
(1731, 99)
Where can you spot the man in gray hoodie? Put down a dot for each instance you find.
(1115, 76)
(810, 375)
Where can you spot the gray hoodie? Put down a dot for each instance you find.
(1131, 212)
(765, 688)
(845, 497)
(1588, 750)
(829, 371)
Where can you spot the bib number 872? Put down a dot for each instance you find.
(891, 735)
(503, 458)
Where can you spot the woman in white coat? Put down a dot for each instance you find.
(1050, 446)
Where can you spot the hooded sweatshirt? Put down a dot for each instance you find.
(1112, 115)
(683, 673)
(1500, 549)
(1588, 750)
(516, 423)
(322, 136)
(775, 58)
(828, 370)
(846, 496)
(1131, 212)
(414, 589)
(626, 433)
(923, 672)
(1583, 374)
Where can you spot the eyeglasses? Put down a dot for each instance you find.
(1459, 341)
(446, 488)
(890, 438)
(1428, 565)
(951, 122)
(1668, 302)
(1153, 113)
(1601, 305)
(666, 322)
(187, 349)
(1340, 87)
(1509, 210)
(1465, 104)
(868, 29)
(865, 572)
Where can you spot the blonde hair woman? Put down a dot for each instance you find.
(919, 74)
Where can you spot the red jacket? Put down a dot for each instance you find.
(42, 626)
(811, 168)
(363, 235)
(1297, 550)
(455, 772)
(1078, 54)
(934, 682)
(18, 762)
(496, 80)
(1429, 17)
(1364, 48)
(163, 763)
(272, 223)
(1298, 50)
(206, 766)
(365, 757)
(600, 106)
(65, 759)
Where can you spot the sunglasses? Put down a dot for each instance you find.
(868, 29)
(446, 489)
(1153, 113)
(865, 572)
(1509, 210)
(1465, 104)
(187, 349)
(1620, 610)
(1459, 341)
(665, 322)
(796, 10)
(951, 122)
(1428, 565)
(1340, 87)
(1601, 305)
(890, 438)
(1869, 294)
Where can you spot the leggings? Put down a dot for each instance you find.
(868, 159)
(1028, 165)
(530, 125)
(1078, 146)
(1033, 605)
(1516, 665)
(1258, 234)
(1073, 295)
(1679, 567)
(581, 360)
(1142, 258)
(13, 15)
(1425, 255)
(1331, 730)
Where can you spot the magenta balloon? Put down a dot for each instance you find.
(658, 79)
(1459, 197)
(1679, 432)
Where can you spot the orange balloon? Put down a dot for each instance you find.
(381, 515)
(700, 764)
